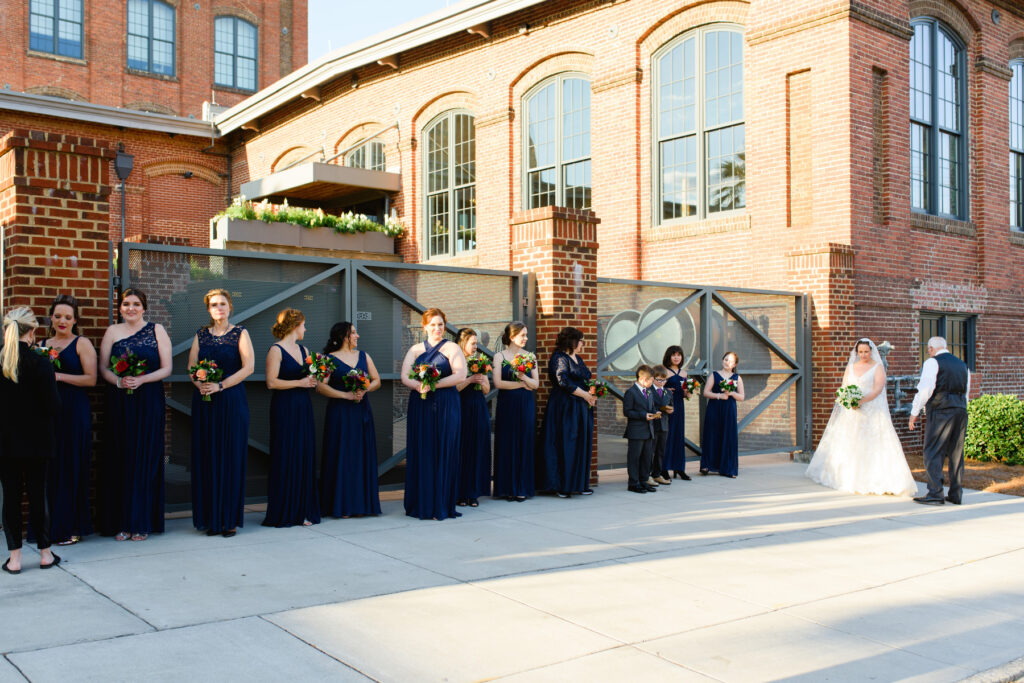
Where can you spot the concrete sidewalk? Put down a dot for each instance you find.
(761, 578)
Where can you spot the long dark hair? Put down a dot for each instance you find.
(568, 339)
(72, 303)
(666, 360)
(339, 333)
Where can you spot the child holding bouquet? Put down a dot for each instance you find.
(475, 450)
(720, 439)
(515, 376)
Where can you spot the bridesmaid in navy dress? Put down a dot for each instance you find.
(220, 426)
(132, 475)
(434, 424)
(475, 454)
(291, 482)
(515, 422)
(675, 447)
(563, 466)
(719, 439)
(68, 480)
(348, 473)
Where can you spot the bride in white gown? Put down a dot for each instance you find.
(860, 451)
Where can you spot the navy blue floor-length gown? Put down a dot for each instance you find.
(564, 462)
(220, 440)
(348, 472)
(475, 458)
(68, 475)
(514, 436)
(719, 443)
(133, 466)
(675, 445)
(433, 431)
(291, 482)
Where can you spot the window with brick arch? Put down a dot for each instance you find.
(55, 26)
(1017, 145)
(938, 121)
(151, 30)
(557, 143)
(234, 53)
(450, 182)
(369, 155)
(699, 133)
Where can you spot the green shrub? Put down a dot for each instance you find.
(995, 429)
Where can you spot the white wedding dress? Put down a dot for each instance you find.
(860, 451)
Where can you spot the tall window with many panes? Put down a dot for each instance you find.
(151, 36)
(451, 184)
(557, 143)
(369, 155)
(699, 136)
(234, 53)
(1017, 145)
(55, 26)
(938, 121)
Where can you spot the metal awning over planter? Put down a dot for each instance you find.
(320, 184)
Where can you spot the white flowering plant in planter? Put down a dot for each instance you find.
(347, 223)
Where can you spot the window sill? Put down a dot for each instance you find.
(737, 221)
(150, 74)
(230, 88)
(1017, 237)
(950, 226)
(467, 259)
(57, 58)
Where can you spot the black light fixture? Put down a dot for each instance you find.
(123, 165)
(186, 175)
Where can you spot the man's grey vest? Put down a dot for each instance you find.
(950, 384)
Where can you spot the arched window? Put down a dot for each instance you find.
(938, 121)
(369, 155)
(700, 144)
(234, 53)
(55, 26)
(1017, 145)
(557, 143)
(450, 170)
(151, 36)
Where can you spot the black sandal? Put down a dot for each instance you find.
(474, 503)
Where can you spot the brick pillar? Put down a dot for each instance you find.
(825, 272)
(559, 246)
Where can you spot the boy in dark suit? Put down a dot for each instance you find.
(638, 408)
(663, 403)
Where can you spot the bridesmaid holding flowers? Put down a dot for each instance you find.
(719, 438)
(348, 473)
(291, 482)
(675, 446)
(219, 361)
(475, 460)
(515, 376)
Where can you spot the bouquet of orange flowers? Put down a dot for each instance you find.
(206, 371)
(597, 388)
(426, 375)
(320, 365)
(52, 354)
(522, 362)
(692, 386)
(478, 364)
(355, 380)
(128, 365)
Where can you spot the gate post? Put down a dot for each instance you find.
(559, 247)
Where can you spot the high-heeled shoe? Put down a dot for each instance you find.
(682, 475)
(704, 472)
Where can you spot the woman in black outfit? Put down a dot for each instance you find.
(29, 404)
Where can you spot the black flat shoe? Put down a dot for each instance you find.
(704, 472)
(561, 495)
(925, 500)
(9, 571)
(520, 499)
(637, 489)
(229, 533)
(56, 561)
(950, 500)
(587, 492)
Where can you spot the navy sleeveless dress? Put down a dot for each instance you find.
(291, 481)
(220, 440)
(563, 464)
(433, 430)
(475, 455)
(514, 435)
(675, 445)
(719, 442)
(133, 467)
(348, 472)
(68, 482)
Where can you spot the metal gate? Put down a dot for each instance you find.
(638, 320)
(384, 300)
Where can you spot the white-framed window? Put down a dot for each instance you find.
(556, 143)
(450, 182)
(234, 53)
(369, 155)
(699, 134)
(55, 26)
(1017, 145)
(151, 36)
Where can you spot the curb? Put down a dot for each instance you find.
(1005, 673)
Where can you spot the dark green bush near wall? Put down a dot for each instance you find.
(995, 429)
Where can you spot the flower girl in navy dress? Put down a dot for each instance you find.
(132, 475)
(515, 420)
(348, 473)
(719, 440)
(68, 476)
(220, 426)
(434, 423)
(475, 460)
(291, 482)
(675, 446)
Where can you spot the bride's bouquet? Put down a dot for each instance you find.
(849, 396)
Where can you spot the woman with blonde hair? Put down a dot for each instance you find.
(220, 426)
(29, 405)
(475, 439)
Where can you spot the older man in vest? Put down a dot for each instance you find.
(942, 392)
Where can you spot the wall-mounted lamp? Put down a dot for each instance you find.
(186, 175)
(354, 81)
(524, 28)
(123, 165)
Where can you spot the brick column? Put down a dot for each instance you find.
(559, 247)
